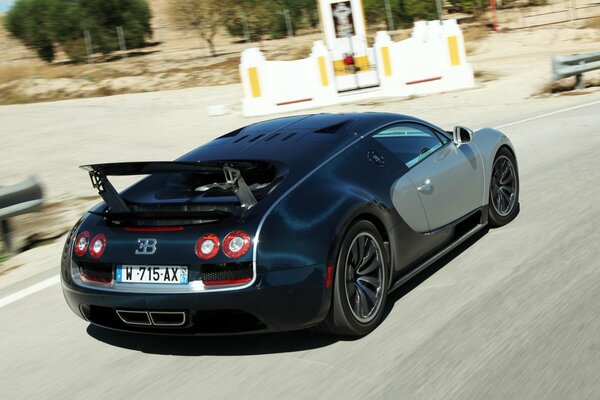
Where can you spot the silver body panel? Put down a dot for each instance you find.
(408, 204)
(488, 141)
(449, 184)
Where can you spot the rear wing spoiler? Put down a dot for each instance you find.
(231, 169)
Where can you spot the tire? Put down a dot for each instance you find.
(359, 291)
(504, 189)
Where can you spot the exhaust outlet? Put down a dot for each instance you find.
(138, 318)
(167, 318)
(153, 318)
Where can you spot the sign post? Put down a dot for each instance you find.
(342, 19)
(345, 35)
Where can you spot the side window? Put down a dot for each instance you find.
(410, 142)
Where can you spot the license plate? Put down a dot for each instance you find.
(176, 275)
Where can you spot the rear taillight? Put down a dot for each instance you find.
(90, 278)
(97, 246)
(236, 244)
(228, 282)
(207, 246)
(81, 243)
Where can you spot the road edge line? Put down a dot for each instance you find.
(547, 114)
(11, 298)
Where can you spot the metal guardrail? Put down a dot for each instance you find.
(18, 199)
(574, 65)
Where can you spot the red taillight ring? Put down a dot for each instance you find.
(236, 244)
(204, 249)
(228, 282)
(96, 251)
(82, 246)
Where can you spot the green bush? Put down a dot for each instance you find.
(266, 17)
(45, 24)
(475, 7)
(405, 12)
(27, 21)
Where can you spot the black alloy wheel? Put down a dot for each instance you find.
(360, 283)
(504, 189)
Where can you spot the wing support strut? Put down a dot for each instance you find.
(234, 178)
(108, 192)
(116, 204)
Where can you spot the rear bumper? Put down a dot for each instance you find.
(277, 301)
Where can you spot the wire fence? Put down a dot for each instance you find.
(550, 14)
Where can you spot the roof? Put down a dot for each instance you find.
(296, 141)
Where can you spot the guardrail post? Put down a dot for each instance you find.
(579, 79)
(6, 236)
(18, 199)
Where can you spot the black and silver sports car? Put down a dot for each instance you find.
(304, 221)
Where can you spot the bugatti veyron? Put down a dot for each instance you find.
(296, 222)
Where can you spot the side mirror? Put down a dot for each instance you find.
(462, 135)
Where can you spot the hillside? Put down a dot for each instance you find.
(177, 59)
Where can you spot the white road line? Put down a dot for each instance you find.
(548, 114)
(30, 290)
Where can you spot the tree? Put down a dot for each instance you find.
(251, 17)
(302, 13)
(262, 18)
(411, 10)
(375, 10)
(204, 17)
(404, 12)
(26, 21)
(45, 24)
(475, 7)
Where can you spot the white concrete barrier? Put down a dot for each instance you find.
(432, 60)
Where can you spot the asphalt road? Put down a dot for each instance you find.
(513, 314)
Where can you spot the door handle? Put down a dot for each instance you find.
(426, 187)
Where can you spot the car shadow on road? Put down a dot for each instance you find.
(269, 343)
(431, 270)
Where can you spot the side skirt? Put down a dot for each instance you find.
(436, 257)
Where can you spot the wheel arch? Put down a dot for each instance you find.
(494, 218)
(510, 149)
(331, 323)
(364, 213)
(489, 142)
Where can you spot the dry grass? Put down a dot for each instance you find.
(3, 256)
(566, 87)
(475, 32)
(301, 51)
(12, 78)
(295, 51)
(228, 65)
(96, 79)
(94, 72)
(400, 34)
(593, 23)
(485, 76)
(554, 87)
